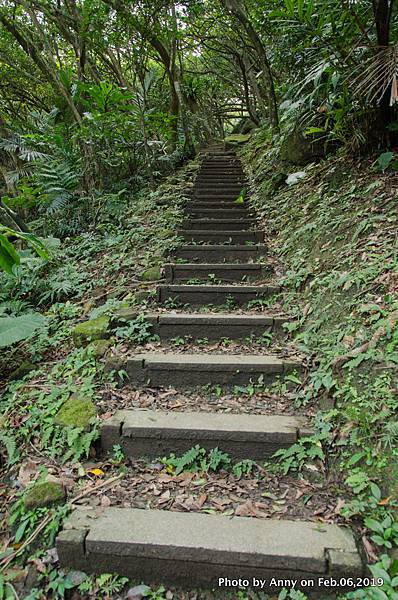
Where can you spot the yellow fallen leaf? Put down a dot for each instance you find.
(97, 472)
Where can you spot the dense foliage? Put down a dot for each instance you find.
(104, 105)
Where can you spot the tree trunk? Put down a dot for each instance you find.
(238, 11)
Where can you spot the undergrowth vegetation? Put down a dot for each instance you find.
(102, 103)
(335, 231)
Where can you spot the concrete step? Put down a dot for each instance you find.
(214, 202)
(187, 370)
(210, 326)
(220, 254)
(218, 224)
(215, 205)
(209, 167)
(200, 178)
(154, 434)
(221, 160)
(229, 197)
(194, 550)
(216, 237)
(215, 190)
(197, 295)
(217, 213)
(219, 271)
(216, 184)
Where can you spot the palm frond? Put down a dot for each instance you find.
(377, 76)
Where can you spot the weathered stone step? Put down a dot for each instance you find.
(187, 370)
(216, 237)
(220, 253)
(217, 185)
(221, 166)
(236, 178)
(227, 176)
(214, 202)
(214, 190)
(220, 271)
(214, 294)
(200, 550)
(230, 197)
(210, 326)
(217, 213)
(154, 434)
(218, 224)
(221, 161)
(215, 205)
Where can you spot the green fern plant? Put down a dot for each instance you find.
(9, 443)
(58, 182)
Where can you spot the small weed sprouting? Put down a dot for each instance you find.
(138, 330)
(197, 460)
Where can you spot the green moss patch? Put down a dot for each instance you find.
(86, 332)
(100, 347)
(76, 412)
(45, 493)
(151, 274)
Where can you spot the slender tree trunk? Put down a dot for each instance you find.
(10, 219)
(235, 7)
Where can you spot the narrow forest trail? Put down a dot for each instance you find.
(219, 266)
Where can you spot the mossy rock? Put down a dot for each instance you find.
(24, 368)
(164, 234)
(76, 412)
(300, 149)
(45, 493)
(88, 331)
(100, 347)
(238, 138)
(151, 274)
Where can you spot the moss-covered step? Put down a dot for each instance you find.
(227, 237)
(200, 550)
(187, 369)
(196, 295)
(157, 433)
(220, 253)
(219, 271)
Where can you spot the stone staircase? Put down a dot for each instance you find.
(221, 247)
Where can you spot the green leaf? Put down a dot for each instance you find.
(374, 526)
(8, 255)
(21, 530)
(379, 572)
(16, 329)
(384, 160)
(375, 490)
